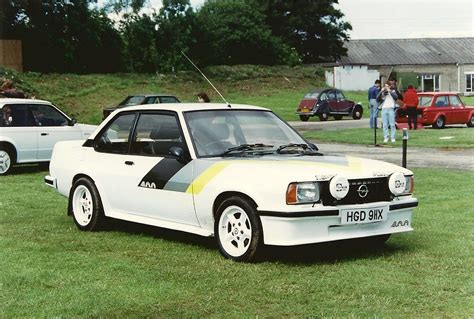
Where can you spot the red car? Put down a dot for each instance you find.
(328, 102)
(439, 109)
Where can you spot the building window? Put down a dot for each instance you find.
(430, 82)
(469, 82)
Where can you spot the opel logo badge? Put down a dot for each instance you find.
(363, 191)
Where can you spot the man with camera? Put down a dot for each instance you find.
(387, 99)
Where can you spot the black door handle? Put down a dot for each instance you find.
(129, 163)
(44, 134)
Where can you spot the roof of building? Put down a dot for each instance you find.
(409, 51)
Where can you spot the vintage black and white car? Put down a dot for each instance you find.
(238, 173)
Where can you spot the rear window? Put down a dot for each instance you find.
(313, 95)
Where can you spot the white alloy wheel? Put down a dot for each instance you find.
(82, 205)
(235, 231)
(5, 162)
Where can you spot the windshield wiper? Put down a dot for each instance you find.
(246, 147)
(307, 150)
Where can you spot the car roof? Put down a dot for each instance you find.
(320, 90)
(23, 101)
(438, 93)
(151, 94)
(186, 107)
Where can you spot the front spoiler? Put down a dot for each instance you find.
(288, 229)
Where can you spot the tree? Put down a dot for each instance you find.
(314, 28)
(233, 32)
(175, 32)
(63, 36)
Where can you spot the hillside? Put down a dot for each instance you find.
(84, 96)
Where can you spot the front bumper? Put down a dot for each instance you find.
(51, 181)
(317, 227)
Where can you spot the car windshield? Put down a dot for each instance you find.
(224, 132)
(425, 100)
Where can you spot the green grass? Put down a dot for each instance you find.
(50, 269)
(449, 138)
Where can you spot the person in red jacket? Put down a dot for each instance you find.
(411, 101)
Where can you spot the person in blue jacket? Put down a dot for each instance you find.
(373, 104)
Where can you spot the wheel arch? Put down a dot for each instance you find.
(223, 196)
(10, 146)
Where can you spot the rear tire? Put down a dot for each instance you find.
(86, 205)
(440, 122)
(7, 159)
(304, 118)
(238, 229)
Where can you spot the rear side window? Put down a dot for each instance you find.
(18, 115)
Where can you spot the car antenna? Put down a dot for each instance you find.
(215, 89)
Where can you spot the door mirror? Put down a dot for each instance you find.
(177, 152)
(72, 122)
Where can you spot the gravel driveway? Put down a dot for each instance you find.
(416, 157)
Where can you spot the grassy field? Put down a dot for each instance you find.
(50, 269)
(449, 138)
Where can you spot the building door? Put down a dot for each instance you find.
(430, 82)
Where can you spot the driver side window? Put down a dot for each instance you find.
(114, 139)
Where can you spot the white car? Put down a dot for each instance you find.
(237, 172)
(30, 128)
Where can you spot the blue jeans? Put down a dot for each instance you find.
(374, 112)
(388, 120)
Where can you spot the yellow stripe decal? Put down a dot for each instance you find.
(201, 181)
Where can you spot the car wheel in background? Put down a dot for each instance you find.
(439, 123)
(324, 116)
(238, 229)
(357, 112)
(470, 123)
(338, 117)
(86, 205)
(7, 160)
(304, 118)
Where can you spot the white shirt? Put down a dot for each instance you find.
(388, 102)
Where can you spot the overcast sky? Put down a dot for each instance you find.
(395, 19)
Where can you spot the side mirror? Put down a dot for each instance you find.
(313, 146)
(71, 122)
(177, 152)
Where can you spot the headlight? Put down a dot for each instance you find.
(303, 193)
(400, 184)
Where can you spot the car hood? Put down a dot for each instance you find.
(86, 129)
(307, 168)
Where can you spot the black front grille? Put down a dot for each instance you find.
(377, 190)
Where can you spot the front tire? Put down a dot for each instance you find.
(86, 205)
(470, 123)
(357, 112)
(238, 229)
(323, 116)
(6, 160)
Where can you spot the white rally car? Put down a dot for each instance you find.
(30, 128)
(238, 173)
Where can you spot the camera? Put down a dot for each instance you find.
(385, 93)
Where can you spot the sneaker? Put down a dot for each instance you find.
(385, 140)
(393, 140)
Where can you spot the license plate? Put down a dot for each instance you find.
(304, 110)
(364, 215)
